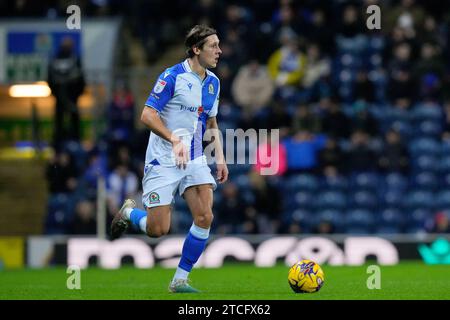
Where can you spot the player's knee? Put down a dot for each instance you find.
(205, 219)
(157, 231)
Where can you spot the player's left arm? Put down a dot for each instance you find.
(222, 169)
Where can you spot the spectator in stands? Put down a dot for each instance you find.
(252, 87)
(232, 211)
(364, 89)
(320, 32)
(267, 203)
(277, 117)
(363, 119)
(304, 119)
(401, 58)
(284, 18)
(407, 15)
(96, 166)
(61, 174)
(401, 90)
(287, 65)
(351, 23)
(401, 83)
(318, 67)
(395, 156)
(234, 51)
(360, 157)
(334, 121)
(121, 184)
(121, 113)
(302, 151)
(324, 227)
(441, 223)
(84, 221)
(225, 74)
(429, 72)
(429, 33)
(121, 156)
(66, 80)
(331, 156)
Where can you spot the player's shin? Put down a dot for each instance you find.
(193, 246)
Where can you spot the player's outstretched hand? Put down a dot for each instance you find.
(181, 154)
(222, 172)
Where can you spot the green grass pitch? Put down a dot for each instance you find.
(412, 280)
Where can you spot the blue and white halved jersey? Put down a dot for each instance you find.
(184, 103)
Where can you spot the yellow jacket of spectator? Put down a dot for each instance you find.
(287, 67)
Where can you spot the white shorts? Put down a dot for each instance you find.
(160, 183)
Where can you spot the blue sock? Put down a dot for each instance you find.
(136, 216)
(193, 247)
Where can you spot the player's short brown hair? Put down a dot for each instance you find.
(196, 37)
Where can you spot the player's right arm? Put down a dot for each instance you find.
(150, 117)
(157, 100)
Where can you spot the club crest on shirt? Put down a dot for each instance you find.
(200, 110)
(211, 89)
(154, 197)
(159, 87)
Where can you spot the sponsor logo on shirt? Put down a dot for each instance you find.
(159, 87)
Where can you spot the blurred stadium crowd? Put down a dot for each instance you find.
(364, 117)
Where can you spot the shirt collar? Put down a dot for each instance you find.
(186, 66)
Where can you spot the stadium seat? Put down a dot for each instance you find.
(423, 146)
(363, 199)
(423, 112)
(360, 218)
(335, 217)
(444, 165)
(425, 181)
(302, 200)
(302, 182)
(403, 127)
(425, 163)
(428, 129)
(301, 217)
(419, 199)
(365, 181)
(338, 183)
(391, 218)
(396, 114)
(392, 199)
(330, 200)
(395, 182)
(59, 214)
(242, 181)
(445, 180)
(445, 148)
(355, 230)
(417, 219)
(387, 230)
(443, 200)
